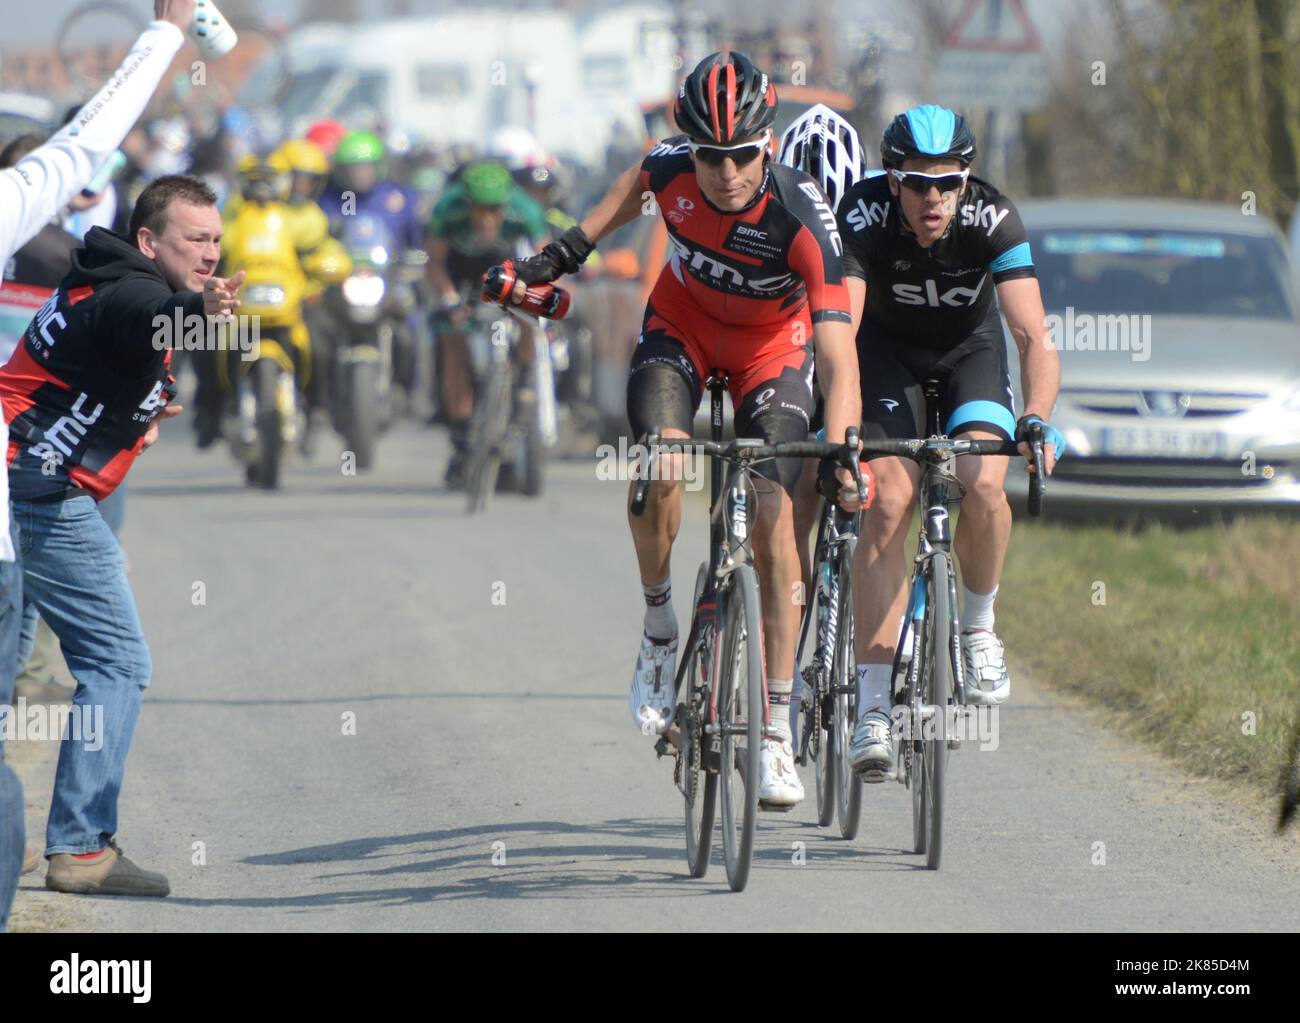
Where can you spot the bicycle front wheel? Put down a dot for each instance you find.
(848, 784)
(740, 720)
(938, 690)
(699, 771)
(487, 434)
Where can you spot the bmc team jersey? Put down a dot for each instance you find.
(88, 378)
(936, 297)
(760, 265)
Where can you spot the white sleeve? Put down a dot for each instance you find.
(45, 180)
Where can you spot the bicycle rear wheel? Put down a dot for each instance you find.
(848, 784)
(938, 690)
(740, 717)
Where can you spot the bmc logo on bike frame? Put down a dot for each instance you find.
(916, 294)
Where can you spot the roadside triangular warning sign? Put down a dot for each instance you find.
(997, 25)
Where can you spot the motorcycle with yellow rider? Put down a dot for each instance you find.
(264, 373)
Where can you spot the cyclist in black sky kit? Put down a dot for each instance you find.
(926, 246)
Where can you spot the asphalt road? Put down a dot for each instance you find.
(494, 779)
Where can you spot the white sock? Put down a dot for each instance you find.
(873, 689)
(778, 705)
(660, 620)
(977, 610)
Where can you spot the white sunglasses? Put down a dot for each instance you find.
(714, 155)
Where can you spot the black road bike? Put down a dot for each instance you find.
(928, 676)
(721, 700)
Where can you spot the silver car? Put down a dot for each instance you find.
(1180, 355)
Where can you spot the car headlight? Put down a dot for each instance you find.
(264, 294)
(364, 289)
(1076, 442)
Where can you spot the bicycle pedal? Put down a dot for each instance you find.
(663, 748)
(875, 776)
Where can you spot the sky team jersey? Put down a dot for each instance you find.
(934, 298)
(760, 265)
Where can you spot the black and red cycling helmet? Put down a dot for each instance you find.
(725, 99)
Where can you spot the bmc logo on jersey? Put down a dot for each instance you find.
(703, 265)
(928, 294)
(863, 216)
(824, 212)
(982, 214)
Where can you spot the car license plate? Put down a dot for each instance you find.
(1161, 442)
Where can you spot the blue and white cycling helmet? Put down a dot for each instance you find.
(927, 131)
(824, 146)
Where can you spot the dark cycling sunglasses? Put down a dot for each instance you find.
(742, 155)
(920, 183)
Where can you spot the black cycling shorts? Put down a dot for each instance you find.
(665, 387)
(974, 385)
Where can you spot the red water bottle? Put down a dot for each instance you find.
(544, 300)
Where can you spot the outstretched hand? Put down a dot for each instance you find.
(219, 296)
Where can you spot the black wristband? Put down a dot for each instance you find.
(578, 242)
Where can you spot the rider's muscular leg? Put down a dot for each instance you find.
(806, 506)
(880, 568)
(776, 558)
(654, 531)
(984, 524)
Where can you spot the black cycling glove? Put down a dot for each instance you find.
(562, 256)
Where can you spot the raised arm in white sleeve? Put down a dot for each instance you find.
(45, 180)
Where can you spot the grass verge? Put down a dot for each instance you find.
(1189, 637)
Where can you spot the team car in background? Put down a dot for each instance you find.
(1180, 355)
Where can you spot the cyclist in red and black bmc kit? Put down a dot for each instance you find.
(754, 275)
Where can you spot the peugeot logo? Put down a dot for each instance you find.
(1164, 404)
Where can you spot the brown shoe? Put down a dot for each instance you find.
(106, 873)
(31, 860)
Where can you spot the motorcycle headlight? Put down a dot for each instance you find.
(363, 289)
(264, 294)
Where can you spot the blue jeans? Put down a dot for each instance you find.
(74, 574)
(12, 836)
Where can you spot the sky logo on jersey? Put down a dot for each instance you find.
(863, 216)
(928, 294)
(982, 214)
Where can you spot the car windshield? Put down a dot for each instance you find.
(1174, 273)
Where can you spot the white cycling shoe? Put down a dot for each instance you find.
(652, 696)
(987, 683)
(871, 751)
(778, 781)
